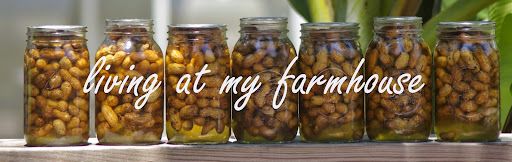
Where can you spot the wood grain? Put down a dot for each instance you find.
(13, 150)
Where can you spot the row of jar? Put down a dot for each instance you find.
(464, 70)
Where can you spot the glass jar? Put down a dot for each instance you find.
(467, 82)
(264, 50)
(56, 65)
(203, 117)
(330, 50)
(130, 112)
(396, 49)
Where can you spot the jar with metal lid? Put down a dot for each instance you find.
(398, 52)
(130, 80)
(264, 50)
(56, 65)
(467, 82)
(204, 116)
(331, 50)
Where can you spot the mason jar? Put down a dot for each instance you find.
(264, 50)
(204, 116)
(129, 112)
(467, 82)
(56, 65)
(397, 49)
(330, 50)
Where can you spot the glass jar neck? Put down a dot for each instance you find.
(466, 30)
(390, 26)
(197, 32)
(63, 32)
(129, 27)
(330, 31)
(276, 26)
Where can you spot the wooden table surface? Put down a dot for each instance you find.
(13, 150)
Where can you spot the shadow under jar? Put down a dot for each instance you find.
(330, 50)
(264, 50)
(132, 54)
(56, 65)
(204, 117)
(467, 82)
(397, 48)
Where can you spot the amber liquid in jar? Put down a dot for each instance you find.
(129, 42)
(204, 117)
(264, 49)
(56, 65)
(330, 50)
(397, 48)
(467, 82)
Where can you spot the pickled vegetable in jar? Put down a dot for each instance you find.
(467, 82)
(264, 50)
(330, 50)
(397, 48)
(56, 65)
(203, 117)
(130, 54)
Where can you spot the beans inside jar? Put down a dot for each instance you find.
(330, 49)
(202, 117)
(467, 82)
(131, 52)
(56, 65)
(397, 49)
(264, 50)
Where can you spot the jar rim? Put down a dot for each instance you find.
(56, 30)
(466, 25)
(397, 20)
(124, 26)
(329, 25)
(197, 26)
(263, 20)
(129, 22)
(199, 29)
(466, 30)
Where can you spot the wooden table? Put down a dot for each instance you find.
(13, 150)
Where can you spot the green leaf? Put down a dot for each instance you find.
(321, 10)
(447, 3)
(405, 8)
(497, 13)
(483, 15)
(386, 6)
(459, 11)
(501, 13)
(340, 10)
(505, 65)
(363, 12)
(301, 6)
(426, 10)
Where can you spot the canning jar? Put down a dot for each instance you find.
(200, 116)
(330, 50)
(56, 65)
(129, 112)
(467, 82)
(264, 50)
(397, 50)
